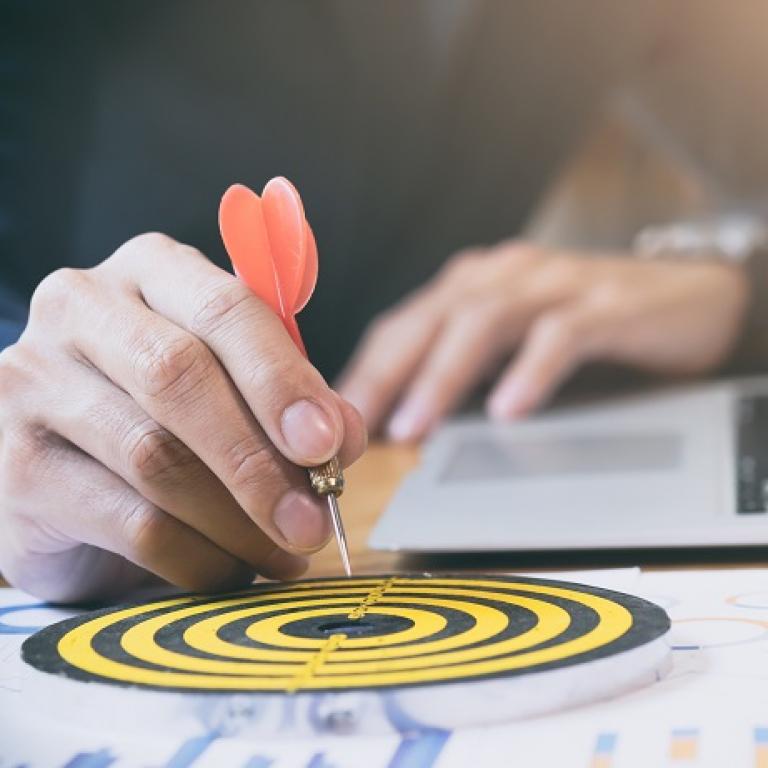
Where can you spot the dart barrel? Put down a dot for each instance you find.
(327, 478)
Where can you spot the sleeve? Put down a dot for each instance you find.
(624, 183)
(622, 179)
(750, 355)
(13, 317)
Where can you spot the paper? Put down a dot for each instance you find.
(711, 710)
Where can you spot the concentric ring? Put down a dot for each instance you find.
(361, 633)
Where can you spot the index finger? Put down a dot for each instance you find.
(289, 398)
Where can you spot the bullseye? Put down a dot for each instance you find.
(332, 635)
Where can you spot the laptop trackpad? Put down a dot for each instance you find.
(483, 459)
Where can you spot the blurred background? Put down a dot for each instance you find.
(413, 128)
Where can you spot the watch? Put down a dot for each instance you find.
(731, 239)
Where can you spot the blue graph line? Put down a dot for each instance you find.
(318, 761)
(606, 743)
(12, 629)
(314, 712)
(191, 749)
(421, 744)
(257, 761)
(288, 718)
(100, 759)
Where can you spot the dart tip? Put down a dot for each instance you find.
(338, 530)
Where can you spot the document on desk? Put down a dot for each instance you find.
(710, 710)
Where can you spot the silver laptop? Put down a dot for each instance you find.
(683, 468)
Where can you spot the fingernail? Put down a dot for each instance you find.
(408, 422)
(302, 521)
(309, 431)
(509, 402)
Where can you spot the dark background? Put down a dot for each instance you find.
(120, 118)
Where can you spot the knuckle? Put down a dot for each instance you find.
(481, 317)
(528, 250)
(556, 330)
(221, 305)
(171, 366)
(54, 292)
(15, 372)
(154, 454)
(608, 292)
(380, 328)
(148, 244)
(562, 269)
(146, 531)
(519, 252)
(389, 326)
(555, 280)
(24, 449)
(146, 241)
(269, 372)
(250, 463)
(153, 240)
(555, 277)
(462, 264)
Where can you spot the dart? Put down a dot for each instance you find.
(273, 251)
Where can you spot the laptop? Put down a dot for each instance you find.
(680, 468)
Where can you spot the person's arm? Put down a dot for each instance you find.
(530, 312)
(628, 190)
(750, 353)
(624, 177)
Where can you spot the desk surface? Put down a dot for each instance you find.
(374, 478)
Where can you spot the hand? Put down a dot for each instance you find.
(151, 419)
(549, 312)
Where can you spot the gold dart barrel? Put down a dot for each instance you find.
(328, 480)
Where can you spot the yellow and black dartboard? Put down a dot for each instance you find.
(348, 634)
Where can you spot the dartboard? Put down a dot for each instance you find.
(348, 634)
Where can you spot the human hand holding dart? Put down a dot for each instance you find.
(273, 250)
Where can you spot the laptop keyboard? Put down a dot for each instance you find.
(752, 456)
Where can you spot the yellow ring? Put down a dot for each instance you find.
(425, 624)
(139, 642)
(614, 620)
